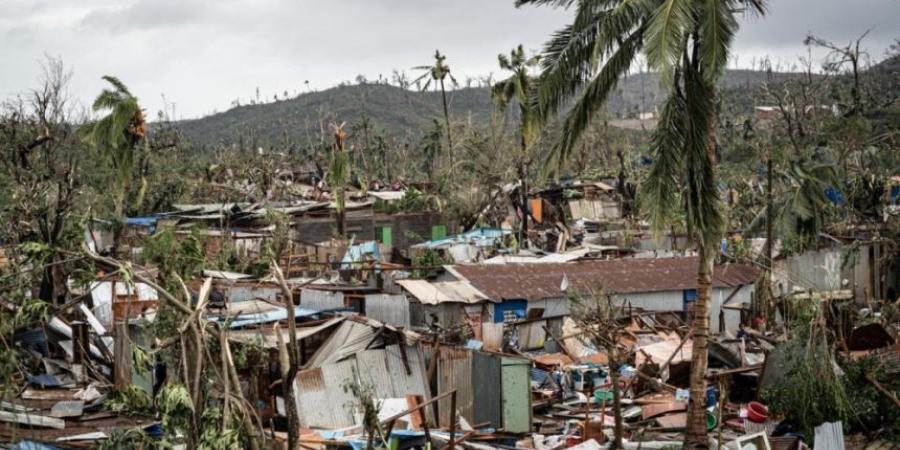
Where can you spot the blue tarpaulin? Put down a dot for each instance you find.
(147, 222)
(271, 316)
(480, 237)
(356, 253)
(31, 445)
(836, 196)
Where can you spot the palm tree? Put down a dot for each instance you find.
(437, 73)
(117, 135)
(519, 88)
(687, 42)
(339, 176)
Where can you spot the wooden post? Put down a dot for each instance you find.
(453, 421)
(81, 343)
(122, 355)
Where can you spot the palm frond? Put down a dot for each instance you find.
(118, 84)
(552, 3)
(659, 196)
(594, 97)
(572, 55)
(669, 24)
(717, 31)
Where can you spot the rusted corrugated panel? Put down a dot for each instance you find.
(321, 400)
(389, 309)
(321, 300)
(486, 390)
(455, 372)
(623, 276)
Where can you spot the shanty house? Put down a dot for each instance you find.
(444, 303)
(522, 291)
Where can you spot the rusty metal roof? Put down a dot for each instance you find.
(622, 276)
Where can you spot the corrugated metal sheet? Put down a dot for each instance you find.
(390, 309)
(322, 401)
(238, 293)
(622, 276)
(268, 338)
(486, 390)
(455, 372)
(321, 300)
(350, 338)
(429, 293)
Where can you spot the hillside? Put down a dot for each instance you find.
(397, 111)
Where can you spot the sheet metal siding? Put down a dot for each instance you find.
(455, 372)
(321, 300)
(732, 316)
(532, 335)
(389, 309)
(321, 400)
(516, 388)
(238, 293)
(486, 372)
(655, 301)
(446, 313)
(817, 270)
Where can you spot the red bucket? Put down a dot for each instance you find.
(757, 412)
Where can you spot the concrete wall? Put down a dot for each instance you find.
(865, 272)
(406, 229)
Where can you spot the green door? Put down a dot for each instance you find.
(516, 387)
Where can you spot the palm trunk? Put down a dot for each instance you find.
(696, 425)
(447, 120)
(523, 184)
(696, 434)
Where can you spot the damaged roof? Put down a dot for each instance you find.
(621, 276)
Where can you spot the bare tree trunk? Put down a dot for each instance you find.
(617, 397)
(287, 381)
(342, 213)
(766, 294)
(695, 437)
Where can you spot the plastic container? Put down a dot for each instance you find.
(757, 412)
(712, 396)
(711, 420)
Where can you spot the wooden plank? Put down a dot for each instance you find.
(677, 420)
(67, 408)
(32, 420)
(48, 394)
(650, 411)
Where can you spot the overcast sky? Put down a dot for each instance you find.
(202, 55)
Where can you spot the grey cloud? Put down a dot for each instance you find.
(203, 55)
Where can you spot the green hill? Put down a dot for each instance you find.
(399, 112)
